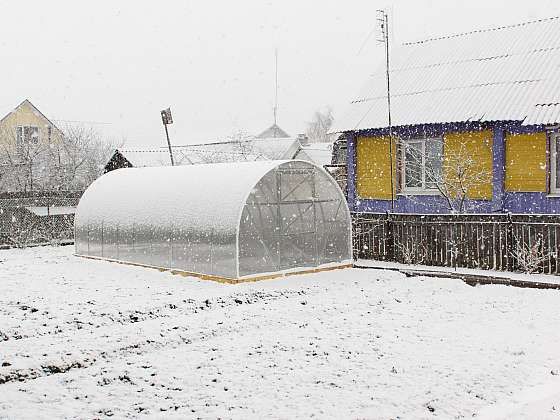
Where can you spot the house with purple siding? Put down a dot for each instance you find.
(475, 126)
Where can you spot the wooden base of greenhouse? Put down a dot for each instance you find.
(220, 279)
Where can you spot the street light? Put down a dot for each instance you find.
(166, 118)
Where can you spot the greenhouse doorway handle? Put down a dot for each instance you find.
(166, 118)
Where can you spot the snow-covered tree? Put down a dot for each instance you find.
(70, 163)
(318, 128)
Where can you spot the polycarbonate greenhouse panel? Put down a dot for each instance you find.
(227, 220)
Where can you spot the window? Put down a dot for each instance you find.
(421, 166)
(555, 164)
(27, 135)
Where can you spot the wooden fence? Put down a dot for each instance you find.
(498, 242)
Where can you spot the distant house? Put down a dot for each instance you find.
(318, 153)
(29, 211)
(273, 132)
(25, 125)
(482, 107)
(27, 142)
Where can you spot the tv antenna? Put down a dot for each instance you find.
(275, 87)
(383, 22)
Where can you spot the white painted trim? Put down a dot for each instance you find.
(417, 190)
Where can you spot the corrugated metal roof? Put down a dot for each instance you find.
(506, 73)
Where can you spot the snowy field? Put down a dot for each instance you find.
(91, 339)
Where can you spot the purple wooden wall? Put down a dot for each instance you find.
(502, 201)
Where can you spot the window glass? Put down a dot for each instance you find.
(27, 135)
(413, 165)
(19, 136)
(422, 163)
(434, 158)
(31, 134)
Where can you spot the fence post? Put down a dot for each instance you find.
(509, 244)
(389, 239)
(356, 237)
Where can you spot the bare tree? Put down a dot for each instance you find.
(530, 256)
(23, 161)
(318, 128)
(69, 163)
(82, 156)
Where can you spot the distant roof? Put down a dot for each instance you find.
(34, 108)
(510, 73)
(318, 153)
(229, 151)
(273, 132)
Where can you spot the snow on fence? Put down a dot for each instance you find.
(526, 243)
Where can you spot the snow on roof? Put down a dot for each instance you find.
(273, 132)
(204, 197)
(318, 153)
(500, 74)
(233, 151)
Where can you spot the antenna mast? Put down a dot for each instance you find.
(275, 87)
(383, 21)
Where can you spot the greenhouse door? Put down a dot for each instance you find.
(297, 237)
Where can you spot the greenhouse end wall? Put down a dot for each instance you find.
(296, 216)
(227, 220)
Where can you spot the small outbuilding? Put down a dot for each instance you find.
(226, 221)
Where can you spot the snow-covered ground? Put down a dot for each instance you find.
(92, 339)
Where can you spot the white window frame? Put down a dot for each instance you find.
(423, 189)
(554, 139)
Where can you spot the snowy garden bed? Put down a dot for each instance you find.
(94, 339)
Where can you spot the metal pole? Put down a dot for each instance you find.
(169, 145)
(386, 36)
(275, 87)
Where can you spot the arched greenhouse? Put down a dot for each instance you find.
(227, 221)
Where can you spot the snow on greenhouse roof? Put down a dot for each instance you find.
(508, 73)
(209, 197)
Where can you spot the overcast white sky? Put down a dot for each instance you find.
(121, 62)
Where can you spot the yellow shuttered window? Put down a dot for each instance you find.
(373, 167)
(468, 163)
(526, 162)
